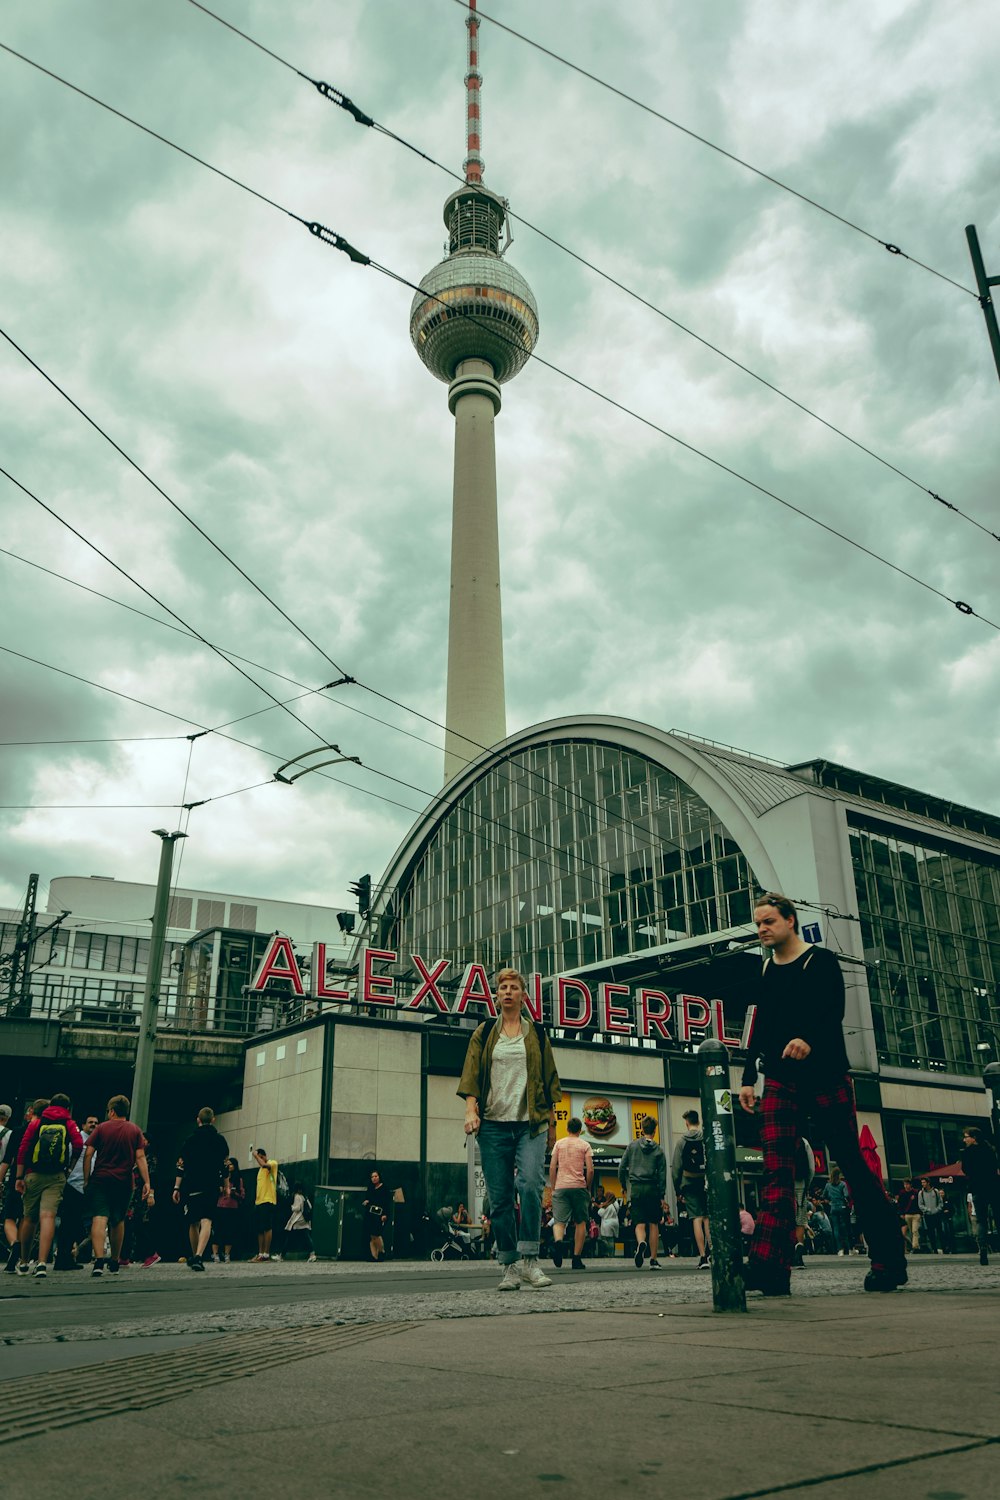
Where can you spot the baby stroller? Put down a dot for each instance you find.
(460, 1239)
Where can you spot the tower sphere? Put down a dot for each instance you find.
(474, 305)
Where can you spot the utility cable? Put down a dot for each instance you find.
(436, 799)
(335, 96)
(139, 470)
(276, 702)
(183, 630)
(960, 604)
(118, 739)
(337, 242)
(639, 829)
(785, 187)
(145, 615)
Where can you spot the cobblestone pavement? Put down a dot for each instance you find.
(611, 1287)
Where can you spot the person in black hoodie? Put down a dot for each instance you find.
(798, 1034)
(979, 1163)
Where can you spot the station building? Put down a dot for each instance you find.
(610, 861)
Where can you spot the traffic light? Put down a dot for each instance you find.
(362, 888)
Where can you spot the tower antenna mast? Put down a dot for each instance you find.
(473, 164)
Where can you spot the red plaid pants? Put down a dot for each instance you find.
(783, 1111)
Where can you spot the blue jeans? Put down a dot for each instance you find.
(506, 1145)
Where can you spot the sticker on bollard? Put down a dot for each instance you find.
(728, 1294)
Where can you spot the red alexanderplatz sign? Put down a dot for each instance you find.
(616, 1009)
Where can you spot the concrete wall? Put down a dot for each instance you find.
(281, 1098)
(375, 1105)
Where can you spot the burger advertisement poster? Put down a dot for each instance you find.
(609, 1120)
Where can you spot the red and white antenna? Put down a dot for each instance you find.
(473, 164)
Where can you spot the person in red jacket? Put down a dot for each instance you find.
(48, 1152)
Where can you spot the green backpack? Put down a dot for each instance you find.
(51, 1149)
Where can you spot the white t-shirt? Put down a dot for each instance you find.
(508, 1099)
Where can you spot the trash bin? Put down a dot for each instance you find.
(339, 1227)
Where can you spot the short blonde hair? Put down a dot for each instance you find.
(511, 974)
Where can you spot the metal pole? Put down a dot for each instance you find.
(728, 1294)
(142, 1078)
(991, 1081)
(983, 284)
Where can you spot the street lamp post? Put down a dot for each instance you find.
(142, 1078)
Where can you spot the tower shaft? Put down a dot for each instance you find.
(476, 711)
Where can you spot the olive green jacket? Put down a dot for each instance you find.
(543, 1081)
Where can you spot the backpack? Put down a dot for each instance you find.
(693, 1157)
(51, 1148)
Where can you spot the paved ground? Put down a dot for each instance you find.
(830, 1394)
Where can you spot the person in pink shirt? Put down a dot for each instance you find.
(571, 1171)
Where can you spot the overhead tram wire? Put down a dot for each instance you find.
(785, 187)
(144, 614)
(361, 117)
(276, 702)
(534, 773)
(435, 798)
(577, 797)
(338, 242)
(183, 630)
(130, 460)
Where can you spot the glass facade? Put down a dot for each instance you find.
(930, 919)
(567, 854)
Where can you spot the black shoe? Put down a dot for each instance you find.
(885, 1278)
(640, 1254)
(97, 1269)
(984, 1259)
(705, 1263)
(557, 1254)
(756, 1278)
(112, 1268)
(576, 1264)
(196, 1263)
(13, 1257)
(654, 1264)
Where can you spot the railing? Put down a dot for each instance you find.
(186, 1016)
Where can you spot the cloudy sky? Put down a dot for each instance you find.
(268, 385)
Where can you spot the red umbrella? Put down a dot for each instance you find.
(869, 1150)
(955, 1170)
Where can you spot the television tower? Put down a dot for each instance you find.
(474, 324)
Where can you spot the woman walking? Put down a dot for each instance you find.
(510, 1086)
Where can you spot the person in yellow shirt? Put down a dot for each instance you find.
(265, 1201)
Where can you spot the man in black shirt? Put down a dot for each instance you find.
(798, 1035)
(199, 1172)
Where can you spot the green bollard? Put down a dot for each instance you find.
(728, 1293)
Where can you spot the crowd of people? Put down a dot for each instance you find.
(88, 1196)
(73, 1196)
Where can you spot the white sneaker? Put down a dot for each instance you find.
(275, 1257)
(841, 1252)
(311, 1258)
(510, 1281)
(532, 1274)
